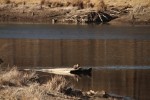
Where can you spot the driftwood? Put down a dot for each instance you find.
(89, 16)
(104, 94)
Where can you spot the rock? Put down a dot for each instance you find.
(72, 92)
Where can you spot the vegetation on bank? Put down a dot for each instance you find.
(78, 2)
(18, 85)
(27, 85)
(60, 3)
(130, 11)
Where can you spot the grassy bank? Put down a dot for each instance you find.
(16, 85)
(126, 11)
(128, 2)
(67, 2)
(29, 85)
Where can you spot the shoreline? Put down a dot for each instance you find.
(34, 14)
(44, 86)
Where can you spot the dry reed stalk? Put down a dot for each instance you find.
(13, 77)
(33, 91)
(57, 83)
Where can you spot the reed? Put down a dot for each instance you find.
(13, 77)
(18, 85)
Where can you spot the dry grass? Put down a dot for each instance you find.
(13, 77)
(32, 92)
(4, 1)
(99, 4)
(18, 85)
(85, 2)
(127, 2)
(57, 83)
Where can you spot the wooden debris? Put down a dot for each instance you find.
(87, 17)
(72, 92)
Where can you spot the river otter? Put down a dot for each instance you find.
(82, 71)
(76, 66)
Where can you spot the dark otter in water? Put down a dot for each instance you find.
(82, 71)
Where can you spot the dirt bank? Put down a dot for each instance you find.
(77, 11)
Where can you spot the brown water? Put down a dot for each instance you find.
(120, 56)
(65, 53)
(132, 83)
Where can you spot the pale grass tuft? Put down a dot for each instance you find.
(13, 77)
(32, 91)
(57, 83)
(99, 5)
(139, 9)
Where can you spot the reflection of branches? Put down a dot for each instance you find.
(4, 46)
(1, 61)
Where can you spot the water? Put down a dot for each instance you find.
(65, 53)
(39, 31)
(126, 82)
(120, 55)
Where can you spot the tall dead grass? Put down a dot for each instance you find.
(57, 83)
(85, 2)
(13, 77)
(99, 4)
(18, 85)
(32, 92)
(127, 2)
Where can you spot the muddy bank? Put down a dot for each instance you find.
(44, 13)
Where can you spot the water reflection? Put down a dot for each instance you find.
(133, 83)
(87, 52)
(58, 53)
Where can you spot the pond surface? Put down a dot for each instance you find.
(120, 55)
